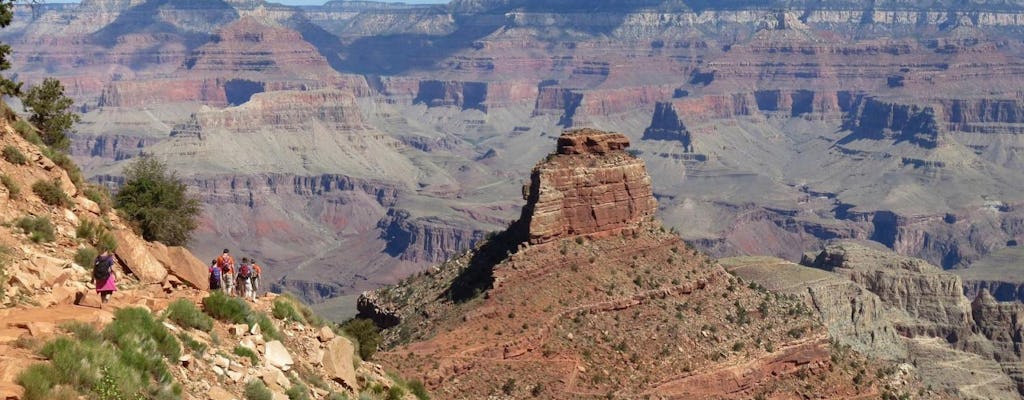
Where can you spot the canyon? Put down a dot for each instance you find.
(351, 144)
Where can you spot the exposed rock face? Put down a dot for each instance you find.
(133, 252)
(590, 185)
(922, 290)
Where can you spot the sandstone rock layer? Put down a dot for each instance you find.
(590, 185)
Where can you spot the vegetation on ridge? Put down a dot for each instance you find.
(51, 113)
(158, 202)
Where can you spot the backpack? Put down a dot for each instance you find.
(215, 277)
(224, 261)
(245, 271)
(101, 268)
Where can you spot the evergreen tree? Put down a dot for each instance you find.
(51, 112)
(158, 202)
(7, 87)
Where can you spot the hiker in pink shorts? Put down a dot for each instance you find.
(104, 276)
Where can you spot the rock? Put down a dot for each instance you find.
(248, 343)
(238, 329)
(338, 362)
(235, 376)
(221, 361)
(255, 330)
(277, 355)
(591, 185)
(40, 329)
(185, 361)
(217, 369)
(218, 393)
(279, 396)
(326, 334)
(180, 263)
(135, 256)
(275, 379)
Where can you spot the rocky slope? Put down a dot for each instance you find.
(607, 306)
(903, 309)
(45, 296)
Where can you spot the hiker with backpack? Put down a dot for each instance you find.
(227, 269)
(104, 276)
(256, 272)
(245, 280)
(216, 276)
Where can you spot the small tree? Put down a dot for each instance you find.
(51, 112)
(158, 202)
(7, 87)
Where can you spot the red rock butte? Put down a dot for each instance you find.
(591, 185)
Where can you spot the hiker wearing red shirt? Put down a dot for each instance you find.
(227, 269)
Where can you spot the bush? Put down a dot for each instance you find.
(247, 352)
(85, 256)
(96, 235)
(365, 333)
(187, 315)
(420, 391)
(14, 156)
(256, 390)
(100, 196)
(125, 361)
(266, 326)
(13, 190)
(39, 229)
(51, 193)
(298, 391)
(26, 131)
(284, 310)
(226, 308)
(195, 345)
(158, 202)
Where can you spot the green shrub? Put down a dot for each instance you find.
(247, 352)
(51, 193)
(100, 196)
(13, 190)
(226, 308)
(14, 156)
(418, 390)
(26, 131)
(143, 341)
(395, 393)
(39, 229)
(187, 315)
(85, 256)
(298, 391)
(365, 334)
(266, 326)
(195, 345)
(284, 310)
(256, 390)
(96, 235)
(37, 381)
(158, 202)
(307, 313)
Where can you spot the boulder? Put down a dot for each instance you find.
(326, 334)
(275, 379)
(136, 258)
(277, 355)
(338, 362)
(181, 263)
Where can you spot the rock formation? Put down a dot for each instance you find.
(620, 307)
(590, 185)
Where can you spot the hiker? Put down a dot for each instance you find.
(227, 270)
(104, 276)
(216, 276)
(245, 280)
(257, 270)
